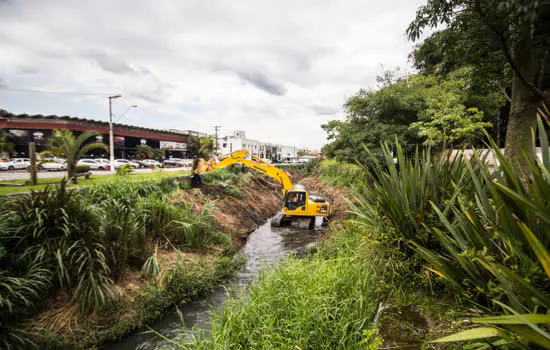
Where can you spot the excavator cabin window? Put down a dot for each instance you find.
(295, 200)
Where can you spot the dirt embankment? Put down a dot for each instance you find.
(259, 198)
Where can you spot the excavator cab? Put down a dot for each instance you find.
(296, 200)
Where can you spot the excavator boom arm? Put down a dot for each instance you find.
(251, 161)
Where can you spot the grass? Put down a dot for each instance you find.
(84, 242)
(326, 301)
(83, 182)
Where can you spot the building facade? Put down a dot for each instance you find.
(238, 141)
(24, 128)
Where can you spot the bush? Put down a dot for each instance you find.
(79, 169)
(339, 173)
(58, 240)
(124, 170)
(393, 204)
(495, 248)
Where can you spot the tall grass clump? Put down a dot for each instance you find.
(480, 229)
(338, 173)
(221, 175)
(496, 247)
(325, 301)
(393, 205)
(50, 240)
(83, 241)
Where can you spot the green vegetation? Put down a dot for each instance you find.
(470, 78)
(148, 152)
(63, 143)
(82, 242)
(201, 147)
(338, 173)
(6, 146)
(426, 227)
(425, 108)
(93, 180)
(325, 301)
(506, 42)
(484, 232)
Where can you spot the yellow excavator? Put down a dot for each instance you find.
(298, 203)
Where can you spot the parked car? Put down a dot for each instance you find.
(173, 162)
(104, 162)
(151, 163)
(121, 162)
(15, 163)
(187, 163)
(52, 166)
(92, 163)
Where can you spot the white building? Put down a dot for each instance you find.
(271, 151)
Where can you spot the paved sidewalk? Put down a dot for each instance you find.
(23, 174)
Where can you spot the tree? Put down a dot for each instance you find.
(5, 145)
(201, 147)
(447, 124)
(158, 154)
(144, 152)
(520, 29)
(72, 148)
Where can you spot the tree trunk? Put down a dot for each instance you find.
(523, 107)
(71, 172)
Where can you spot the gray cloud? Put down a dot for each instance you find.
(324, 110)
(110, 63)
(262, 82)
(220, 55)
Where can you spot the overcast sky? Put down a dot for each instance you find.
(276, 69)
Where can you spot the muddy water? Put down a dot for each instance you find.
(264, 248)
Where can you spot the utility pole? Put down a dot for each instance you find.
(32, 156)
(111, 137)
(217, 127)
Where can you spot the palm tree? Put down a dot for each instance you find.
(5, 145)
(63, 142)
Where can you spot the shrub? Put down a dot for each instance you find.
(339, 173)
(54, 231)
(124, 170)
(495, 248)
(394, 200)
(79, 169)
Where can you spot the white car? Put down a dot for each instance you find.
(103, 163)
(92, 163)
(121, 162)
(15, 163)
(51, 166)
(150, 163)
(188, 163)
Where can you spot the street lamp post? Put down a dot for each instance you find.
(111, 137)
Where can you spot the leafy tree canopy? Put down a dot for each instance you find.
(422, 108)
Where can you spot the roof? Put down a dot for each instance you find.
(7, 115)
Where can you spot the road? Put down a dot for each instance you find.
(23, 174)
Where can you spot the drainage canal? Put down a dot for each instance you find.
(264, 247)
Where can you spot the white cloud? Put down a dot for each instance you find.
(275, 69)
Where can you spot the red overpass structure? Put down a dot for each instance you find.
(25, 128)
